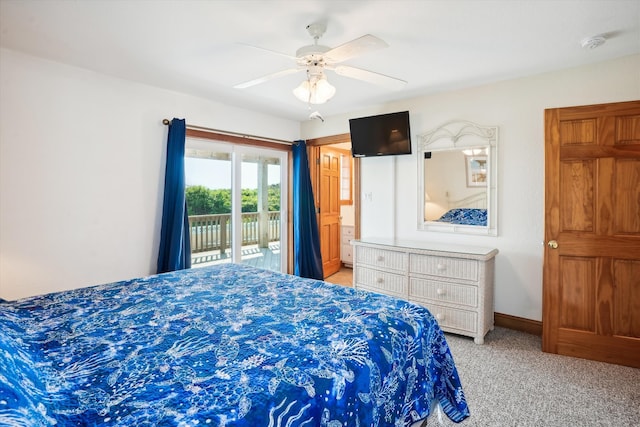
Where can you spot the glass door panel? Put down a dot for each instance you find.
(235, 199)
(209, 200)
(261, 210)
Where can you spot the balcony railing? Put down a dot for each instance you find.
(213, 232)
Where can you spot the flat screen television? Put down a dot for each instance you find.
(381, 135)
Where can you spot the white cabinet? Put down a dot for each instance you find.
(454, 282)
(346, 250)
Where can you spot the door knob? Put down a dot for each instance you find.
(553, 244)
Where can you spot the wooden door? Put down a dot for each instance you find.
(591, 289)
(329, 223)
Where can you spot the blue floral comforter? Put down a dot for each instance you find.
(465, 216)
(228, 345)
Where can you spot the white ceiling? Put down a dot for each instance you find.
(200, 47)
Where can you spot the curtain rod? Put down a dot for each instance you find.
(166, 122)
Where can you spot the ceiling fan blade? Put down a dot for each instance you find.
(267, 78)
(370, 77)
(275, 52)
(359, 46)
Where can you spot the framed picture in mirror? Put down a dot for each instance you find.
(476, 168)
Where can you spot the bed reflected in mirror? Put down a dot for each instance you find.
(458, 191)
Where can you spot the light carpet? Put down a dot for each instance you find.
(509, 381)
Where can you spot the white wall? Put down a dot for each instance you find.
(82, 170)
(82, 163)
(517, 108)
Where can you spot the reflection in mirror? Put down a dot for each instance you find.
(453, 180)
(457, 191)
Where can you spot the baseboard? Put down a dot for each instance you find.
(521, 324)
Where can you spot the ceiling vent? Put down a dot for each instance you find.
(593, 42)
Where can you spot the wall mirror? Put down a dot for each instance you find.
(457, 168)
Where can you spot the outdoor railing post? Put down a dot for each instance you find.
(263, 229)
(223, 234)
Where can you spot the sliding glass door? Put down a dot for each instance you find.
(236, 200)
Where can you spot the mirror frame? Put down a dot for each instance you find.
(458, 135)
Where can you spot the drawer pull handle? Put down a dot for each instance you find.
(379, 280)
(440, 316)
(380, 258)
(441, 267)
(441, 292)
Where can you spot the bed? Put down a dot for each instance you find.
(471, 210)
(227, 345)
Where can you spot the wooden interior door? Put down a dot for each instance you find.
(329, 216)
(591, 289)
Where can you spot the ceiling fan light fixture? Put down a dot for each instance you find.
(316, 90)
(316, 58)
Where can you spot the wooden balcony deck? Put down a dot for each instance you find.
(267, 258)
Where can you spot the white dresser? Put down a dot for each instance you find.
(454, 282)
(346, 250)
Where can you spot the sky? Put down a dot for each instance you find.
(216, 174)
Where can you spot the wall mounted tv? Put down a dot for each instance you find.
(381, 135)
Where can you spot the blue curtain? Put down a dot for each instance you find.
(306, 242)
(175, 247)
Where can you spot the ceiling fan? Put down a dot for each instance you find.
(315, 59)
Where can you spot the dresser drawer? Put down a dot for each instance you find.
(452, 293)
(455, 268)
(381, 258)
(453, 319)
(347, 254)
(381, 281)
